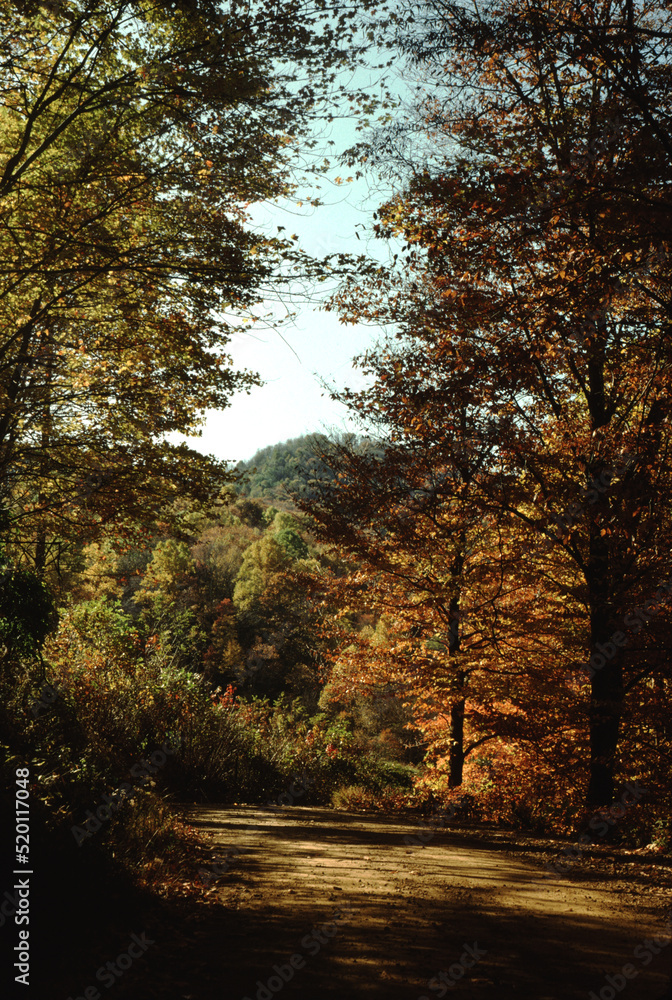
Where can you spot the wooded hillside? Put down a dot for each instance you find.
(465, 604)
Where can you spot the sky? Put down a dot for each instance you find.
(315, 347)
(296, 360)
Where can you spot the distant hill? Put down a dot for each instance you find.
(277, 471)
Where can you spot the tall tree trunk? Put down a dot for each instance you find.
(456, 753)
(606, 665)
(606, 691)
(606, 709)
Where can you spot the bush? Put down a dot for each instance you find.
(116, 701)
(27, 613)
(353, 798)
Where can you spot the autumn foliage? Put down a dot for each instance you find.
(513, 515)
(463, 606)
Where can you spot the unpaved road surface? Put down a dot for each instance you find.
(322, 904)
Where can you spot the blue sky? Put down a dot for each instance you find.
(294, 361)
(315, 346)
(292, 401)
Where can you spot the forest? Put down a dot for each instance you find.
(459, 609)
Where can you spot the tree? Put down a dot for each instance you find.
(132, 139)
(219, 556)
(278, 471)
(533, 299)
(168, 573)
(264, 564)
(444, 577)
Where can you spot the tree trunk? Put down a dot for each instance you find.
(606, 707)
(40, 551)
(606, 667)
(456, 753)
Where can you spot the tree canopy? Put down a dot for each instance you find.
(532, 314)
(133, 138)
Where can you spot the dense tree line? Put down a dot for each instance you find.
(134, 137)
(468, 599)
(519, 519)
(279, 472)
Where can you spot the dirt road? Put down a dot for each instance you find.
(324, 904)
